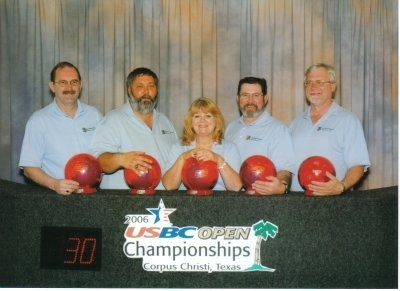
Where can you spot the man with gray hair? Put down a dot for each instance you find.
(328, 130)
(127, 133)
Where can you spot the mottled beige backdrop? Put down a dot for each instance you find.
(202, 48)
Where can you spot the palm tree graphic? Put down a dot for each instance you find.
(262, 230)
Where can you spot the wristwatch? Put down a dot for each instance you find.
(286, 187)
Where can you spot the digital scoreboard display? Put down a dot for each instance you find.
(71, 248)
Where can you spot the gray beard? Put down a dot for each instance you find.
(251, 114)
(143, 107)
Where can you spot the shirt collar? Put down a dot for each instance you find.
(333, 108)
(58, 111)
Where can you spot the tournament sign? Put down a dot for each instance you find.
(164, 247)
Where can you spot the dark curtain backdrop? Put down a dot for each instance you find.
(202, 48)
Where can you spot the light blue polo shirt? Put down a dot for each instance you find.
(52, 137)
(226, 149)
(122, 131)
(337, 136)
(266, 136)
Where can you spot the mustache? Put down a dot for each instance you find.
(69, 92)
(249, 104)
(145, 97)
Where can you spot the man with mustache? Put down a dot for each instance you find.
(256, 132)
(58, 131)
(137, 128)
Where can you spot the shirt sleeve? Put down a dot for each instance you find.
(33, 145)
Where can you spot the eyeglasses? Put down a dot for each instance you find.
(64, 83)
(248, 95)
(317, 83)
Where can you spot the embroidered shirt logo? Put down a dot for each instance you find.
(249, 137)
(87, 129)
(163, 131)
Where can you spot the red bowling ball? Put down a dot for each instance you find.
(146, 182)
(199, 176)
(86, 170)
(255, 168)
(314, 168)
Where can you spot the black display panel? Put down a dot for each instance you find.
(72, 248)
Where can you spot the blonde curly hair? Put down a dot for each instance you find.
(204, 105)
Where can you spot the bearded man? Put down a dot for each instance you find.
(127, 133)
(256, 132)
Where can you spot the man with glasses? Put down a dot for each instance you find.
(328, 130)
(256, 132)
(128, 132)
(58, 131)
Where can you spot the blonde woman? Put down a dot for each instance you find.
(202, 139)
